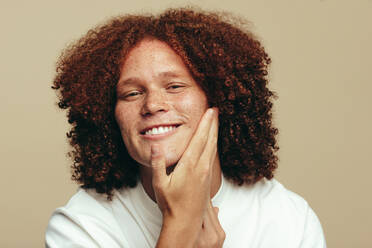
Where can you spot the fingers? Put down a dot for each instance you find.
(158, 165)
(198, 142)
(209, 153)
(213, 137)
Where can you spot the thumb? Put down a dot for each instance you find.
(158, 167)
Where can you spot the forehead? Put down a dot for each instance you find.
(152, 57)
(151, 49)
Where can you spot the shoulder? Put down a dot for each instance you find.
(275, 195)
(86, 221)
(87, 201)
(293, 210)
(283, 203)
(271, 195)
(281, 213)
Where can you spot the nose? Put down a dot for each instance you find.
(154, 102)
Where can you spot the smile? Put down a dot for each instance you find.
(159, 130)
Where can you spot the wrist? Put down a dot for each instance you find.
(179, 232)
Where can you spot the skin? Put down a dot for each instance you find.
(155, 88)
(189, 219)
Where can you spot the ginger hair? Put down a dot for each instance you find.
(225, 58)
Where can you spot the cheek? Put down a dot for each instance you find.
(195, 107)
(124, 120)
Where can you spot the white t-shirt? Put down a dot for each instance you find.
(263, 215)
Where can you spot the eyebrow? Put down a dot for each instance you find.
(127, 81)
(167, 74)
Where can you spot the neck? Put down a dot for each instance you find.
(146, 179)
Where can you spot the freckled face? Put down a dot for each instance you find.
(158, 101)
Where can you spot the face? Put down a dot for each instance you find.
(158, 101)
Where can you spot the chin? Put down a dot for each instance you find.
(172, 156)
(172, 160)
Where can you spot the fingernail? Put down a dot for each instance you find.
(210, 111)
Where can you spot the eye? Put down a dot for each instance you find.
(135, 93)
(131, 95)
(175, 87)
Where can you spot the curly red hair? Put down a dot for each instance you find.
(226, 60)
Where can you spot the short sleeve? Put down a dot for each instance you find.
(313, 233)
(66, 230)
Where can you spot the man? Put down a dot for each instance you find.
(173, 140)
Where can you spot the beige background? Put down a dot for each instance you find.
(321, 52)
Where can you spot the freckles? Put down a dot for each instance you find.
(190, 105)
(194, 107)
(124, 118)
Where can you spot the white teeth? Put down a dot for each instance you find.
(159, 130)
(155, 130)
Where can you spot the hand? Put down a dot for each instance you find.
(212, 234)
(184, 195)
